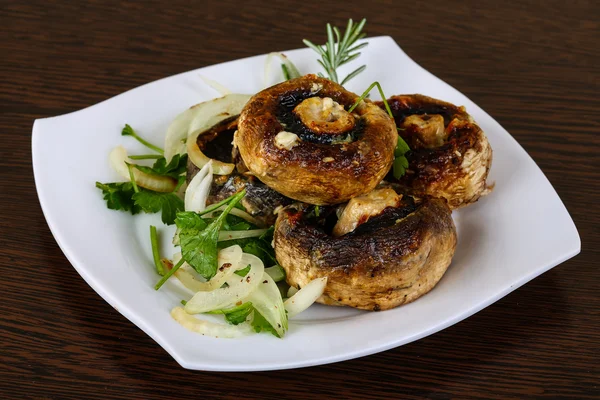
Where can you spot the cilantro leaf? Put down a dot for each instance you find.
(118, 196)
(167, 203)
(199, 246)
(236, 315)
(260, 324)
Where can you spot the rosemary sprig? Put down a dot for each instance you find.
(340, 49)
(400, 160)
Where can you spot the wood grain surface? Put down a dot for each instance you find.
(534, 66)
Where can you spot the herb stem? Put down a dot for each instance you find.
(216, 206)
(400, 161)
(132, 177)
(340, 49)
(366, 93)
(146, 157)
(169, 274)
(286, 72)
(128, 131)
(154, 242)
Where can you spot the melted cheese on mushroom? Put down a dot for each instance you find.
(324, 115)
(286, 140)
(361, 208)
(430, 129)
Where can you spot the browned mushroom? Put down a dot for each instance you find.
(450, 155)
(260, 201)
(385, 249)
(298, 138)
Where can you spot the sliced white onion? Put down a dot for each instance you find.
(294, 73)
(267, 300)
(215, 85)
(305, 297)
(239, 287)
(291, 291)
(199, 159)
(276, 272)
(231, 235)
(118, 159)
(198, 190)
(243, 214)
(209, 328)
(200, 118)
(229, 261)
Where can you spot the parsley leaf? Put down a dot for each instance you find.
(260, 246)
(236, 315)
(400, 160)
(400, 165)
(118, 196)
(199, 245)
(167, 203)
(260, 324)
(175, 168)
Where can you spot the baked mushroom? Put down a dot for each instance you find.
(299, 139)
(260, 200)
(450, 155)
(383, 251)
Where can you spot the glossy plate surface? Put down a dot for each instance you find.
(506, 239)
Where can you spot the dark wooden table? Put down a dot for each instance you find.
(534, 67)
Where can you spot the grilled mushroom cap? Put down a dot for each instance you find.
(298, 138)
(450, 155)
(389, 260)
(260, 200)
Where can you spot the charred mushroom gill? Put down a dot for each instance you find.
(298, 138)
(393, 256)
(450, 155)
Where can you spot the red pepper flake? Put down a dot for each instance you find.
(265, 281)
(248, 279)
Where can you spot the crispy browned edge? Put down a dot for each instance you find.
(306, 173)
(375, 271)
(439, 172)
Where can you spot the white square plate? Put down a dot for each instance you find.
(506, 239)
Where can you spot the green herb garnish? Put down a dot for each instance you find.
(118, 196)
(340, 49)
(169, 204)
(122, 196)
(174, 169)
(155, 254)
(169, 274)
(235, 315)
(243, 271)
(128, 131)
(286, 72)
(260, 324)
(199, 243)
(400, 160)
(146, 157)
